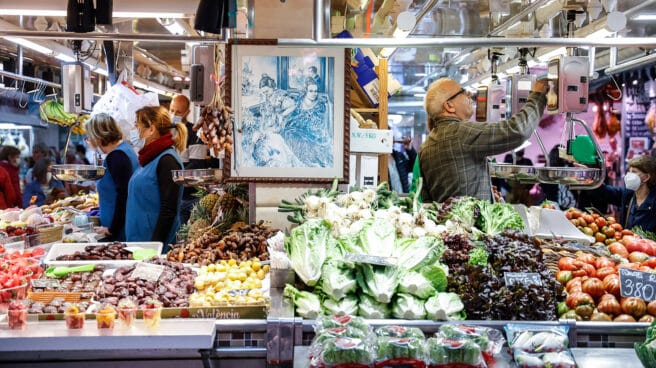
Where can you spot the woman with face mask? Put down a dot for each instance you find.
(154, 200)
(43, 189)
(120, 162)
(10, 161)
(637, 200)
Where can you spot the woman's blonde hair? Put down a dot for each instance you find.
(158, 117)
(103, 130)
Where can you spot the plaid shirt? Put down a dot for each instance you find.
(453, 160)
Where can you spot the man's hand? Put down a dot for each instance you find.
(541, 86)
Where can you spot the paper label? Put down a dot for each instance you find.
(148, 271)
(523, 278)
(366, 258)
(45, 283)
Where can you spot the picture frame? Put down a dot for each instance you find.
(291, 113)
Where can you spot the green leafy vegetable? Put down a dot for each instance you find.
(647, 351)
(445, 307)
(338, 280)
(416, 284)
(437, 274)
(497, 217)
(346, 350)
(407, 306)
(445, 351)
(388, 347)
(464, 210)
(370, 308)
(478, 257)
(378, 281)
(325, 322)
(413, 253)
(400, 331)
(644, 233)
(377, 237)
(307, 304)
(306, 247)
(343, 307)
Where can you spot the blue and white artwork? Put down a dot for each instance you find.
(286, 116)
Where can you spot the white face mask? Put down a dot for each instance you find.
(49, 177)
(17, 162)
(135, 140)
(632, 181)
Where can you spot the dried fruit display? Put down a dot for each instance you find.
(104, 252)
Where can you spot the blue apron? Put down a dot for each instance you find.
(144, 203)
(107, 190)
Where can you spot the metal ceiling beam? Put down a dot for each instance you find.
(517, 17)
(647, 42)
(108, 36)
(633, 64)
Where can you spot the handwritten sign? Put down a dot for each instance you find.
(45, 284)
(522, 278)
(375, 260)
(148, 271)
(637, 284)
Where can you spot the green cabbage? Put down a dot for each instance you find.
(445, 307)
(414, 253)
(307, 304)
(378, 281)
(306, 247)
(407, 306)
(370, 308)
(437, 274)
(416, 284)
(337, 280)
(343, 307)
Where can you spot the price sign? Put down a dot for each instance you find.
(148, 271)
(522, 278)
(45, 284)
(637, 284)
(239, 292)
(366, 258)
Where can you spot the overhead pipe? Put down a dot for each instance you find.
(633, 64)
(108, 36)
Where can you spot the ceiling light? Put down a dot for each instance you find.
(173, 26)
(65, 58)
(645, 17)
(30, 45)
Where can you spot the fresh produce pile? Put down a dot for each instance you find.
(111, 251)
(646, 351)
(345, 341)
(230, 283)
(329, 250)
(241, 243)
(82, 202)
(77, 282)
(173, 287)
(482, 286)
(592, 282)
(15, 221)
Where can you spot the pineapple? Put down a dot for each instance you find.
(197, 213)
(197, 229)
(208, 201)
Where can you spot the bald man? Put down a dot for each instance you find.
(453, 160)
(197, 154)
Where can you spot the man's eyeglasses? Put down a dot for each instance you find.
(462, 90)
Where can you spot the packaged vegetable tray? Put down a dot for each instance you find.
(443, 352)
(537, 338)
(400, 331)
(490, 340)
(324, 322)
(344, 352)
(319, 341)
(406, 352)
(560, 359)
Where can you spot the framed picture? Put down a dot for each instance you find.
(290, 107)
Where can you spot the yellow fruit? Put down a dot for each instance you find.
(265, 268)
(232, 262)
(261, 274)
(256, 266)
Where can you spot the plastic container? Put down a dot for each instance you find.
(152, 314)
(9, 295)
(127, 313)
(106, 317)
(17, 316)
(74, 318)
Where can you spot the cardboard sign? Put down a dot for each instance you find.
(523, 278)
(638, 284)
(148, 271)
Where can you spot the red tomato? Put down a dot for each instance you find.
(589, 270)
(605, 271)
(567, 264)
(619, 249)
(586, 257)
(602, 262)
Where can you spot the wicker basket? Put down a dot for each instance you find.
(50, 234)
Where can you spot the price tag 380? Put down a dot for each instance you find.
(637, 284)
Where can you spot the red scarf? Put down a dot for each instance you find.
(154, 148)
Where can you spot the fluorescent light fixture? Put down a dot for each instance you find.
(174, 26)
(116, 14)
(65, 58)
(30, 45)
(645, 17)
(549, 55)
